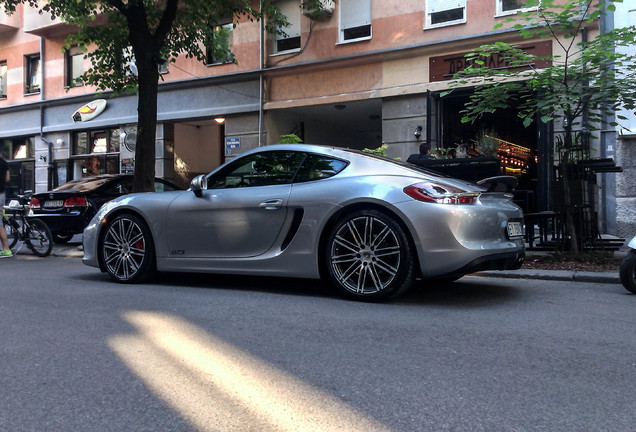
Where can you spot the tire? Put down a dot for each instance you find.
(62, 238)
(127, 250)
(368, 257)
(13, 231)
(38, 238)
(628, 271)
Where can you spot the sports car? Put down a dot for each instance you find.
(368, 225)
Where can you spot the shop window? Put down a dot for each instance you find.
(32, 74)
(3, 79)
(288, 38)
(355, 20)
(445, 12)
(95, 152)
(74, 66)
(16, 149)
(219, 47)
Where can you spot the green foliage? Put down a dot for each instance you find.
(290, 139)
(590, 77)
(487, 143)
(126, 37)
(380, 151)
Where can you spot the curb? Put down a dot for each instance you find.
(556, 275)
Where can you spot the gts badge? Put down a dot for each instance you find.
(177, 252)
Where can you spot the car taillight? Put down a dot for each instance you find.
(76, 201)
(35, 203)
(440, 194)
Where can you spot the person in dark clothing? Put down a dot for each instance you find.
(4, 179)
(425, 151)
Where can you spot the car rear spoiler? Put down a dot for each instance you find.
(499, 183)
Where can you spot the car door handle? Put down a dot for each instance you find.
(273, 204)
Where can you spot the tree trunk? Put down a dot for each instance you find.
(567, 193)
(145, 152)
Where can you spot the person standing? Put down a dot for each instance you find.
(4, 179)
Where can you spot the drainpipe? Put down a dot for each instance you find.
(49, 158)
(261, 83)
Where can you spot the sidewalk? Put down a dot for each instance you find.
(73, 249)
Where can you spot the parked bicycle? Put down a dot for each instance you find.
(19, 226)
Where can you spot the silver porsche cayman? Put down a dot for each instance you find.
(368, 225)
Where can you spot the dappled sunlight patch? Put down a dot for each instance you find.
(218, 387)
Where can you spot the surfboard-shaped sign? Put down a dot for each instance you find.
(89, 111)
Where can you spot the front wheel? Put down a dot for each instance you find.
(127, 250)
(38, 238)
(368, 256)
(628, 271)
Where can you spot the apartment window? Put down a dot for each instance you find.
(445, 12)
(290, 40)
(505, 7)
(32, 74)
(74, 66)
(355, 20)
(219, 47)
(3, 79)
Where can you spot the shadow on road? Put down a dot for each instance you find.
(467, 292)
(462, 293)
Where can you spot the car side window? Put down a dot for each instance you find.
(316, 167)
(259, 169)
(163, 187)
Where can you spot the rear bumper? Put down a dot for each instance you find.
(500, 261)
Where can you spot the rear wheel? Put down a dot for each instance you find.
(12, 227)
(38, 238)
(127, 250)
(369, 257)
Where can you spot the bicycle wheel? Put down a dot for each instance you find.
(12, 226)
(38, 238)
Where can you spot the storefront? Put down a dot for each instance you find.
(20, 155)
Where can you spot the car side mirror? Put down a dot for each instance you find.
(198, 185)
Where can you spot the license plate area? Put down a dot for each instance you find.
(53, 203)
(515, 230)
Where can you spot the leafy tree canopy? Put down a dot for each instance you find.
(584, 76)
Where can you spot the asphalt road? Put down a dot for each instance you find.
(210, 353)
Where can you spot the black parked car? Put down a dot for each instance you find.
(69, 208)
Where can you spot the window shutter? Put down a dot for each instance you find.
(291, 9)
(443, 5)
(354, 13)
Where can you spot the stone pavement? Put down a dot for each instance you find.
(74, 250)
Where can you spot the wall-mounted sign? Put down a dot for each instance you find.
(443, 68)
(89, 111)
(231, 144)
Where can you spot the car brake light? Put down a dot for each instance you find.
(34, 203)
(76, 201)
(440, 194)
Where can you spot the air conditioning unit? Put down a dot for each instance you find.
(318, 9)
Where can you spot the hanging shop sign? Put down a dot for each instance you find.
(89, 111)
(444, 67)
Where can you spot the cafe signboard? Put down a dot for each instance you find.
(444, 67)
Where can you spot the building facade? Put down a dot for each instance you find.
(359, 74)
